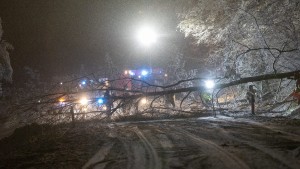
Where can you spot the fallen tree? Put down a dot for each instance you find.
(50, 106)
(289, 75)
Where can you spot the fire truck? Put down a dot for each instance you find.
(142, 79)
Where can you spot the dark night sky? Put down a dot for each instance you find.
(57, 36)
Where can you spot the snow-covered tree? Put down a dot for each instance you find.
(249, 38)
(251, 32)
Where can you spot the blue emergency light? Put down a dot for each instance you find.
(144, 72)
(100, 101)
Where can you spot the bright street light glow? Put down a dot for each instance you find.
(131, 73)
(62, 103)
(144, 73)
(83, 101)
(144, 101)
(106, 83)
(147, 36)
(209, 84)
(104, 108)
(83, 82)
(61, 99)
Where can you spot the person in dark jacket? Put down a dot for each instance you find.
(108, 102)
(251, 98)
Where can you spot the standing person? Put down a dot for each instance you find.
(171, 99)
(72, 115)
(296, 93)
(251, 98)
(108, 102)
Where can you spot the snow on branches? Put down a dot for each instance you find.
(250, 38)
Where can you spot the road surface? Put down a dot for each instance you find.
(207, 142)
(200, 143)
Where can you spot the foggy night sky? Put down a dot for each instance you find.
(57, 36)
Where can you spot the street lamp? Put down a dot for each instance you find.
(209, 84)
(147, 36)
(83, 101)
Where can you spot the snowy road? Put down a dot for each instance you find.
(223, 142)
(200, 143)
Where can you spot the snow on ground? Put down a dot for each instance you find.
(217, 118)
(240, 142)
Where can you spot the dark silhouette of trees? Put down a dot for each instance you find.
(5, 66)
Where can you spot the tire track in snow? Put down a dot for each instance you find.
(229, 160)
(136, 153)
(287, 135)
(97, 161)
(129, 153)
(154, 160)
(277, 155)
